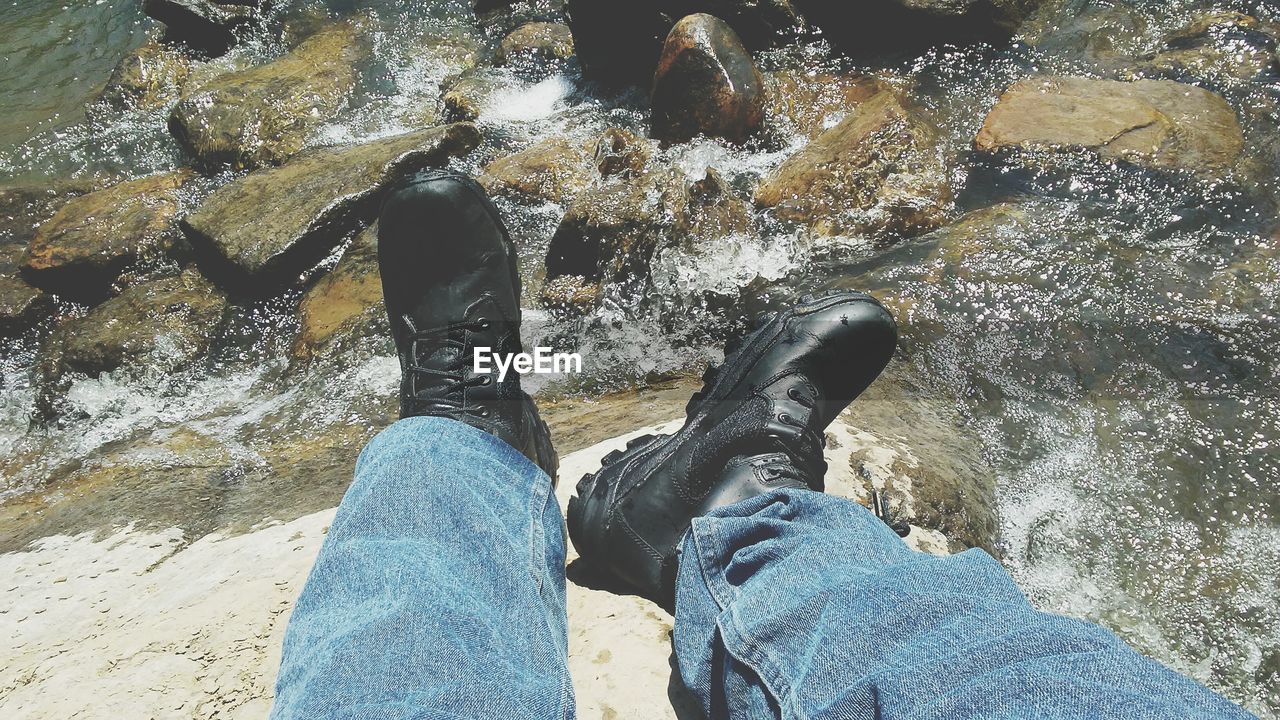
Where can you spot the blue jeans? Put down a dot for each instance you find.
(440, 593)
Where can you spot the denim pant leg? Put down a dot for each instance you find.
(439, 591)
(803, 605)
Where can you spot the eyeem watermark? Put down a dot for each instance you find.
(541, 362)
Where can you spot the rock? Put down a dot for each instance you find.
(621, 152)
(82, 249)
(467, 95)
(907, 440)
(148, 78)
(536, 43)
(210, 26)
(706, 84)
(553, 170)
(24, 209)
(159, 326)
(619, 43)
(259, 232)
(1111, 37)
(344, 306)
(264, 115)
(879, 171)
(20, 304)
(611, 232)
(1150, 123)
(810, 103)
(711, 211)
(1219, 45)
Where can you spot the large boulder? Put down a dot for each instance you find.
(264, 115)
(210, 26)
(878, 172)
(148, 78)
(261, 231)
(706, 84)
(345, 306)
(553, 170)
(83, 248)
(1150, 123)
(22, 211)
(158, 326)
(619, 42)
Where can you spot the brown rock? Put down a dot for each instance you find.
(264, 115)
(345, 305)
(83, 248)
(467, 95)
(536, 42)
(160, 326)
(1150, 123)
(148, 78)
(711, 211)
(24, 209)
(1219, 45)
(621, 152)
(20, 304)
(553, 170)
(806, 103)
(260, 232)
(878, 171)
(706, 84)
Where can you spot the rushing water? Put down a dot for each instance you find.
(1111, 336)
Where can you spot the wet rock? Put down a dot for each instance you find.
(877, 172)
(907, 440)
(620, 43)
(609, 232)
(621, 152)
(467, 95)
(84, 247)
(156, 327)
(264, 115)
(706, 84)
(258, 233)
(1219, 45)
(501, 18)
(536, 43)
(23, 209)
(1112, 37)
(710, 211)
(148, 78)
(19, 302)
(210, 26)
(810, 103)
(553, 170)
(345, 306)
(1150, 123)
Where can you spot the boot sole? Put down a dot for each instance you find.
(593, 497)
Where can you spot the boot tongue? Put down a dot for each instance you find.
(746, 476)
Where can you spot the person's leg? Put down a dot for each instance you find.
(439, 592)
(797, 604)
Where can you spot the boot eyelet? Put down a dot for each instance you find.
(483, 323)
(786, 418)
(795, 394)
(488, 380)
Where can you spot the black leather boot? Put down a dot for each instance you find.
(451, 285)
(757, 425)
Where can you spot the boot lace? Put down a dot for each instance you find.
(438, 383)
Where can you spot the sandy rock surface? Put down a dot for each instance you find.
(136, 625)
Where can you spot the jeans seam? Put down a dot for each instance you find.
(710, 565)
(750, 655)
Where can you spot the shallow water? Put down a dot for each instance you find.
(1112, 341)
